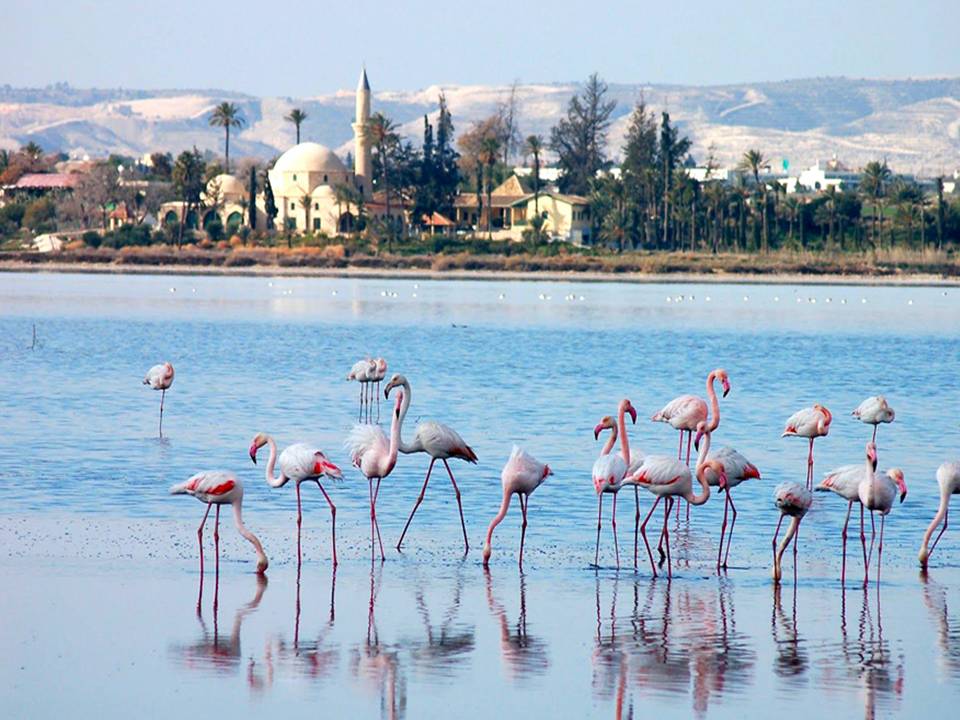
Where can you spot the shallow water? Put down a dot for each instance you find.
(103, 561)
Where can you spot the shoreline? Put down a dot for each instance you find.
(736, 278)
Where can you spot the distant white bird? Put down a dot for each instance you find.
(873, 411)
(521, 475)
(299, 462)
(437, 440)
(365, 372)
(160, 377)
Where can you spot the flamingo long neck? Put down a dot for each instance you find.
(498, 518)
(714, 421)
(608, 446)
(261, 556)
(934, 524)
(622, 429)
(273, 481)
(405, 448)
(701, 473)
(788, 536)
(394, 439)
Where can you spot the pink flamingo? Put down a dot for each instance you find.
(948, 477)
(811, 422)
(877, 494)
(160, 377)
(299, 462)
(737, 469)
(794, 500)
(365, 372)
(845, 482)
(873, 411)
(216, 488)
(610, 469)
(521, 475)
(376, 376)
(687, 411)
(440, 442)
(375, 456)
(668, 478)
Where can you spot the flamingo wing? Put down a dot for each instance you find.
(608, 472)
(684, 412)
(660, 472)
(523, 466)
(159, 377)
(442, 441)
(366, 440)
(209, 486)
(844, 481)
(792, 498)
(735, 465)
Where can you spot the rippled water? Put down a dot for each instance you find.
(101, 562)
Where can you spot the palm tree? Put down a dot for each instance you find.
(752, 161)
(382, 132)
(873, 182)
(32, 150)
(489, 153)
(226, 115)
(534, 147)
(344, 194)
(296, 116)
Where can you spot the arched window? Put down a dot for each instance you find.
(316, 223)
(294, 177)
(324, 178)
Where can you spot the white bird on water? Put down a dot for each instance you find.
(160, 377)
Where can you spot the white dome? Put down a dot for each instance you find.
(323, 191)
(227, 185)
(309, 157)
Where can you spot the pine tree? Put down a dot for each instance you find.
(580, 139)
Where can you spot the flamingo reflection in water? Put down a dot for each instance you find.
(524, 656)
(378, 664)
(448, 643)
(948, 627)
(610, 661)
(792, 661)
(215, 651)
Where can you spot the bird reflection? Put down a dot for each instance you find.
(379, 664)
(659, 662)
(610, 663)
(948, 628)
(214, 651)
(524, 655)
(447, 644)
(791, 662)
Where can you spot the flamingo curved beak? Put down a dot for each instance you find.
(633, 414)
(723, 480)
(597, 430)
(726, 387)
(696, 442)
(253, 453)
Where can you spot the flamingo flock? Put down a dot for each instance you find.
(374, 452)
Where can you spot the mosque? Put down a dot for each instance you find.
(308, 183)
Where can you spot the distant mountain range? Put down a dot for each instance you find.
(914, 124)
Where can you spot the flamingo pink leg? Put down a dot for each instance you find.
(796, 540)
(216, 564)
(873, 535)
(163, 393)
(810, 467)
(863, 543)
(372, 520)
(680, 449)
(378, 400)
(875, 433)
(643, 532)
(666, 536)
(636, 526)
(946, 516)
(733, 523)
(200, 542)
(613, 522)
(456, 490)
(299, 524)
(360, 406)
(376, 524)
(774, 543)
(843, 566)
(723, 527)
(333, 522)
(596, 553)
(523, 525)
(423, 491)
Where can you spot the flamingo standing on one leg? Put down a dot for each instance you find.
(362, 371)
(438, 441)
(670, 479)
(218, 487)
(521, 475)
(948, 477)
(877, 494)
(375, 456)
(845, 482)
(610, 469)
(737, 469)
(811, 422)
(300, 462)
(793, 499)
(160, 377)
(873, 411)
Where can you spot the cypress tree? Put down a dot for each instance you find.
(252, 199)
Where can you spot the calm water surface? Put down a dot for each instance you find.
(101, 563)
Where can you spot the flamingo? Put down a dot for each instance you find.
(876, 494)
(521, 475)
(845, 482)
(793, 499)
(873, 411)
(160, 377)
(669, 478)
(685, 412)
(363, 372)
(299, 462)
(438, 441)
(811, 422)
(219, 487)
(378, 373)
(610, 469)
(737, 469)
(948, 477)
(375, 456)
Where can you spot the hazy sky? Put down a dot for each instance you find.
(310, 47)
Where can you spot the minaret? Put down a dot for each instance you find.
(362, 163)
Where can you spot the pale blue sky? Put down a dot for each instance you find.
(309, 47)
